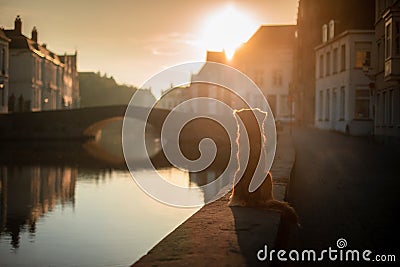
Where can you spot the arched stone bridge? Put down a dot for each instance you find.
(80, 123)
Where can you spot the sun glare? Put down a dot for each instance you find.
(227, 29)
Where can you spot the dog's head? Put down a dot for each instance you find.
(250, 124)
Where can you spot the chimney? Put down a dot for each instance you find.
(331, 29)
(34, 34)
(216, 56)
(324, 33)
(18, 25)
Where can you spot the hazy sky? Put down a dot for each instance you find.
(133, 40)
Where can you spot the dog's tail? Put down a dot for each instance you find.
(285, 209)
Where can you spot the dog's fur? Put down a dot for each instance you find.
(263, 196)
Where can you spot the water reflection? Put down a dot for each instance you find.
(27, 193)
(73, 204)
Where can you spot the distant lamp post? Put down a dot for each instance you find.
(371, 76)
(290, 103)
(1, 86)
(371, 86)
(46, 100)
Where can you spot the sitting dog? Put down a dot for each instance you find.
(262, 197)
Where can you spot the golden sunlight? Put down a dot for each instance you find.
(226, 30)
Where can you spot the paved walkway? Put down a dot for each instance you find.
(345, 187)
(218, 235)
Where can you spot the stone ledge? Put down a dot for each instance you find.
(219, 235)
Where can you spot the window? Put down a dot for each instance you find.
(35, 98)
(334, 105)
(396, 37)
(258, 77)
(390, 107)
(3, 61)
(328, 63)
(272, 103)
(378, 58)
(38, 70)
(58, 77)
(363, 59)
(388, 39)
(396, 107)
(342, 103)
(335, 61)
(384, 108)
(363, 54)
(277, 78)
(283, 105)
(362, 107)
(327, 105)
(379, 109)
(343, 58)
(320, 104)
(321, 66)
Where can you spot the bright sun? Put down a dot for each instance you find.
(226, 30)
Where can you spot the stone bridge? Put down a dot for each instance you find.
(80, 123)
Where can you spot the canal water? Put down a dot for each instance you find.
(74, 204)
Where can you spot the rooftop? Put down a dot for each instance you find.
(273, 34)
(3, 35)
(20, 41)
(267, 37)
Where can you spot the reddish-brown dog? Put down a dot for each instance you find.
(263, 196)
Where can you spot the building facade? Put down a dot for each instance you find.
(4, 42)
(387, 68)
(38, 78)
(343, 99)
(70, 97)
(209, 83)
(144, 98)
(348, 14)
(268, 59)
(172, 97)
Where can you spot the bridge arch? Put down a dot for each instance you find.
(93, 129)
(69, 124)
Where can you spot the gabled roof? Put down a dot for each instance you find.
(20, 41)
(212, 56)
(69, 60)
(216, 56)
(267, 37)
(273, 35)
(3, 36)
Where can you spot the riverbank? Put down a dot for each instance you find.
(219, 235)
